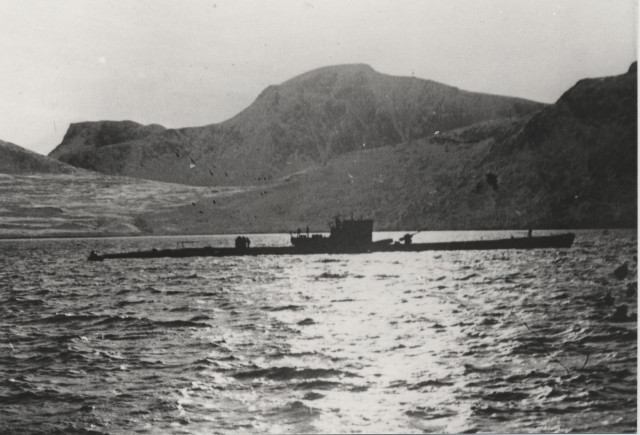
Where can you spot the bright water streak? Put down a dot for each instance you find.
(495, 341)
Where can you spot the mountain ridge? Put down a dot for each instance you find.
(571, 164)
(565, 166)
(305, 121)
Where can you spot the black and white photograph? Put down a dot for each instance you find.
(318, 216)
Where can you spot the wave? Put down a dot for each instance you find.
(206, 294)
(283, 308)
(199, 318)
(306, 322)
(290, 373)
(430, 383)
(41, 396)
(329, 275)
(530, 375)
(295, 411)
(318, 384)
(182, 324)
(505, 396)
(143, 321)
(470, 368)
(127, 302)
(467, 277)
(429, 413)
(312, 395)
(102, 320)
(68, 317)
(191, 276)
(24, 302)
(279, 355)
(613, 334)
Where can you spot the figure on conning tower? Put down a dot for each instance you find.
(407, 238)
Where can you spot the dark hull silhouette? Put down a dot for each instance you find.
(542, 242)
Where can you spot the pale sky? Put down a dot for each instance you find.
(184, 63)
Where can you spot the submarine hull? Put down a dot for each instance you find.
(542, 242)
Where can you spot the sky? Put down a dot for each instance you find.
(182, 63)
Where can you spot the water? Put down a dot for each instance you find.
(496, 341)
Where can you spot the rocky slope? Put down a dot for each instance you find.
(304, 122)
(87, 204)
(571, 165)
(17, 160)
(84, 136)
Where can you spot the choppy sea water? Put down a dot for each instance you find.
(493, 341)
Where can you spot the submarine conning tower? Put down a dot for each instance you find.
(352, 231)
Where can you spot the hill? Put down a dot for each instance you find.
(86, 204)
(17, 160)
(570, 165)
(573, 164)
(83, 136)
(304, 122)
